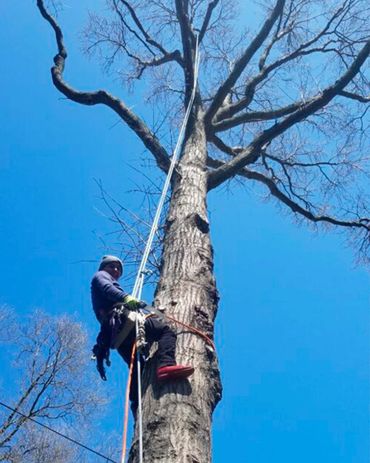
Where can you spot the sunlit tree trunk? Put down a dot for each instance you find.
(182, 411)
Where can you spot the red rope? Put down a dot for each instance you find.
(127, 399)
(194, 330)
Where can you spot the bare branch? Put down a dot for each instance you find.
(157, 61)
(211, 6)
(313, 105)
(362, 223)
(222, 146)
(176, 55)
(133, 229)
(306, 48)
(188, 44)
(255, 116)
(242, 62)
(354, 96)
(101, 97)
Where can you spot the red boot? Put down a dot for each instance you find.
(174, 372)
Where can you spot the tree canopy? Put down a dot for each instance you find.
(285, 103)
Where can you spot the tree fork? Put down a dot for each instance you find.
(178, 415)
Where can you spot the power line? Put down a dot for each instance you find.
(58, 433)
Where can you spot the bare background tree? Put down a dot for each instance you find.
(282, 104)
(55, 378)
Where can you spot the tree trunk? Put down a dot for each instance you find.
(177, 415)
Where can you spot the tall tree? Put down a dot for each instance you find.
(282, 104)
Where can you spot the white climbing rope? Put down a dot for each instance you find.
(141, 270)
(139, 282)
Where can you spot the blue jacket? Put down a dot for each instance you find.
(105, 292)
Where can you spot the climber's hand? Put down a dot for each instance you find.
(100, 354)
(131, 302)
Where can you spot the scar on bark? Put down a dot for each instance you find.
(195, 218)
(200, 223)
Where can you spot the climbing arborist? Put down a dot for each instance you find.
(112, 307)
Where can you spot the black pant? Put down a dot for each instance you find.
(155, 330)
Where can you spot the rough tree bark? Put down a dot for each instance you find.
(178, 415)
(243, 125)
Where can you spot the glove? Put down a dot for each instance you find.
(131, 302)
(100, 354)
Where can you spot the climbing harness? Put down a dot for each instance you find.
(139, 281)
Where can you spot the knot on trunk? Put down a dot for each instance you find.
(200, 223)
(202, 320)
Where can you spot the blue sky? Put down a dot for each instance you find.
(293, 324)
